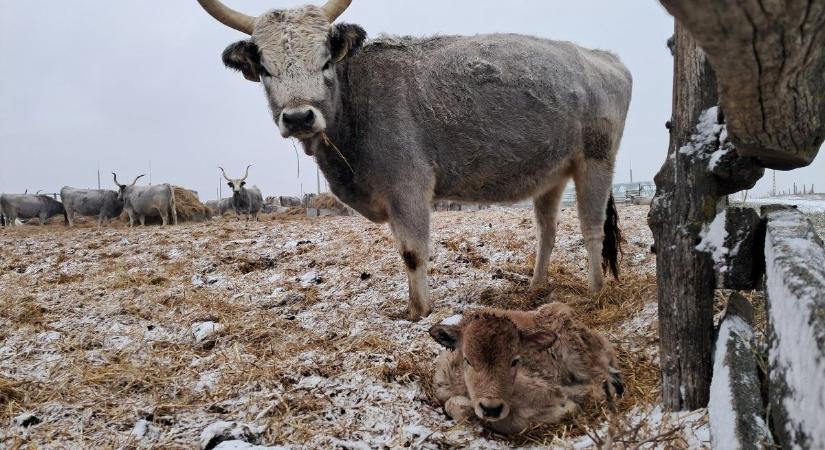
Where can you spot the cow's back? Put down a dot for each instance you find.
(484, 111)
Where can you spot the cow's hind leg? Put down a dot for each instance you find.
(410, 223)
(594, 183)
(546, 208)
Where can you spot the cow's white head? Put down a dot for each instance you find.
(293, 53)
(238, 185)
(122, 189)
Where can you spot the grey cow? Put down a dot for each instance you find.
(100, 203)
(220, 207)
(27, 206)
(245, 200)
(142, 201)
(396, 123)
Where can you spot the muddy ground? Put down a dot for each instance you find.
(289, 330)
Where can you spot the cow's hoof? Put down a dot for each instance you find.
(415, 313)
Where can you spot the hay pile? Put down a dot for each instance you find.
(326, 201)
(189, 208)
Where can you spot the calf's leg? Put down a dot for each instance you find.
(546, 208)
(594, 183)
(410, 223)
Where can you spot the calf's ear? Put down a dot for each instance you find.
(539, 338)
(244, 57)
(345, 39)
(446, 335)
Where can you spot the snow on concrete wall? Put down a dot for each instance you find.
(795, 266)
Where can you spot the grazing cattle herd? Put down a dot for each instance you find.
(496, 118)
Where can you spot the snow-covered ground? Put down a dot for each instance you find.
(287, 332)
(809, 204)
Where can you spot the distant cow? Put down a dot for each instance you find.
(245, 200)
(514, 369)
(142, 201)
(290, 202)
(100, 203)
(220, 207)
(27, 206)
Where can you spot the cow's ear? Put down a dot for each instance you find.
(243, 183)
(446, 335)
(345, 39)
(244, 57)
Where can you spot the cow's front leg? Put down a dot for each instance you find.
(410, 223)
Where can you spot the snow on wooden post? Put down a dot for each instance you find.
(701, 168)
(735, 403)
(795, 271)
(732, 240)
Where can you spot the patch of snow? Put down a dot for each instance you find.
(309, 279)
(204, 330)
(713, 241)
(229, 431)
(140, 429)
(452, 320)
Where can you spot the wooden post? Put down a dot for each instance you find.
(701, 168)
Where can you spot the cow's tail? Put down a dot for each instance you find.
(612, 246)
(173, 209)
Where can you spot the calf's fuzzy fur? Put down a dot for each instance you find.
(531, 367)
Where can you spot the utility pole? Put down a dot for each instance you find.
(98, 175)
(773, 190)
(150, 172)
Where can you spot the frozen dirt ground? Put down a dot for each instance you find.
(289, 328)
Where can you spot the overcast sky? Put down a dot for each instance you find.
(129, 83)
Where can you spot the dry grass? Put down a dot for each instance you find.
(124, 312)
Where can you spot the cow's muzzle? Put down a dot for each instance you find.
(301, 122)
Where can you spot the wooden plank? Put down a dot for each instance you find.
(735, 408)
(795, 274)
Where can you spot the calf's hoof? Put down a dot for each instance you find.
(459, 408)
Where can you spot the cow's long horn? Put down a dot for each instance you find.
(229, 17)
(247, 173)
(224, 174)
(137, 178)
(115, 175)
(334, 8)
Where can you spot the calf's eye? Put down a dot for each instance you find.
(515, 362)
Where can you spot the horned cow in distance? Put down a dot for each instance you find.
(142, 201)
(398, 122)
(245, 200)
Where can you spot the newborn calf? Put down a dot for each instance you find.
(514, 368)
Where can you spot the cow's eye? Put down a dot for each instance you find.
(515, 362)
(327, 65)
(467, 361)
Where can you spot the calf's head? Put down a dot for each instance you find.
(294, 54)
(122, 189)
(492, 348)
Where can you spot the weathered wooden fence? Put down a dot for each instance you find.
(780, 250)
(748, 94)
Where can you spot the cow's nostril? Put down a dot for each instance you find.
(492, 412)
(299, 119)
(310, 118)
